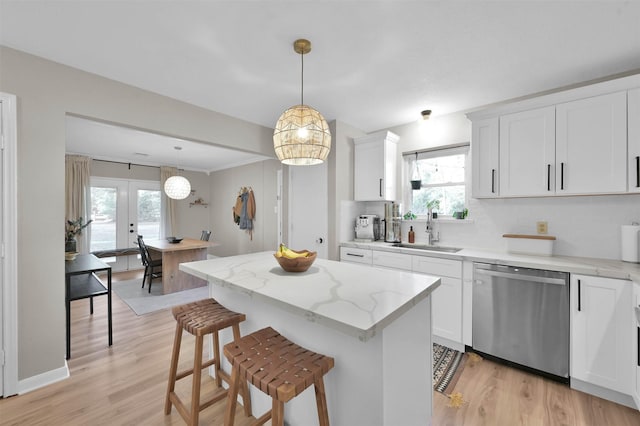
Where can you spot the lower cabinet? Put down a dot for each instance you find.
(601, 347)
(391, 260)
(636, 332)
(355, 255)
(446, 302)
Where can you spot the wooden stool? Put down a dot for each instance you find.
(279, 368)
(201, 318)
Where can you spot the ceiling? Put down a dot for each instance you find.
(373, 65)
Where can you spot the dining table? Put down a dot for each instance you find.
(172, 255)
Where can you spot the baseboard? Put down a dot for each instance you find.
(603, 393)
(44, 379)
(448, 343)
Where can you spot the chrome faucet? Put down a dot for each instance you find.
(430, 237)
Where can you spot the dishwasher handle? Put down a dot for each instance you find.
(523, 277)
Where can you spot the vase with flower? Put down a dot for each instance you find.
(72, 229)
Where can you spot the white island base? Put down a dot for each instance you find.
(382, 377)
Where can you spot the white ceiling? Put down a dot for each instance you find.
(374, 64)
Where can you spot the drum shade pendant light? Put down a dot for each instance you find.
(177, 187)
(301, 136)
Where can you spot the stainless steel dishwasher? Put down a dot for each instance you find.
(521, 316)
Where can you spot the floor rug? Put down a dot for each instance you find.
(142, 302)
(447, 367)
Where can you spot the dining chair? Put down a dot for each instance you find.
(149, 264)
(205, 235)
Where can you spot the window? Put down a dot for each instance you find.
(442, 175)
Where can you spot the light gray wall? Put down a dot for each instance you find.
(46, 91)
(225, 186)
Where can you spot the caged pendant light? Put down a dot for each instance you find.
(301, 136)
(177, 187)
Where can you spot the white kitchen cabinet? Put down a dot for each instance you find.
(601, 347)
(355, 255)
(633, 129)
(485, 158)
(636, 347)
(527, 153)
(391, 260)
(446, 300)
(591, 145)
(375, 167)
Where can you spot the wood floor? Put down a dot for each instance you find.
(125, 384)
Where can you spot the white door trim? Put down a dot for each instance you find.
(9, 279)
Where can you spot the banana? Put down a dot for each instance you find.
(285, 251)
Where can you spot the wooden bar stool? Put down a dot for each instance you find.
(279, 368)
(200, 319)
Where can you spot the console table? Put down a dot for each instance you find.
(81, 282)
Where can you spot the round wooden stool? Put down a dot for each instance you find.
(279, 368)
(200, 319)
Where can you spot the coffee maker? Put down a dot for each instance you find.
(367, 227)
(392, 221)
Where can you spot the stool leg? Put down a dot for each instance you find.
(321, 402)
(246, 396)
(277, 413)
(232, 396)
(197, 376)
(173, 368)
(216, 358)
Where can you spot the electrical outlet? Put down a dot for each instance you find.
(541, 227)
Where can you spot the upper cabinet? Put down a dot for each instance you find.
(591, 145)
(484, 156)
(633, 123)
(375, 167)
(527, 153)
(578, 142)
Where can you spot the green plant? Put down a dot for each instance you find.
(409, 216)
(433, 204)
(75, 227)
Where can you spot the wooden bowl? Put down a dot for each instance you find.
(299, 264)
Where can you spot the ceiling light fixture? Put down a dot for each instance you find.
(426, 114)
(177, 187)
(301, 136)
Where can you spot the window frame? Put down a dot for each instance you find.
(409, 158)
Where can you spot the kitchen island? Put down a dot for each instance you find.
(376, 323)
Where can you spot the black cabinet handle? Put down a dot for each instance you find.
(579, 301)
(637, 172)
(493, 181)
(548, 177)
(381, 187)
(562, 177)
(355, 255)
(638, 358)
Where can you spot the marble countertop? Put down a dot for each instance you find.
(355, 299)
(576, 265)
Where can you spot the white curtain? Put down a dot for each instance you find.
(78, 196)
(167, 205)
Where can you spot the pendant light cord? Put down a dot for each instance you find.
(302, 79)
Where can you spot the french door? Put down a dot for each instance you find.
(121, 209)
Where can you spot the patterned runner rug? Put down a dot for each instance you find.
(447, 367)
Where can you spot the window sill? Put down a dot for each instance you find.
(441, 220)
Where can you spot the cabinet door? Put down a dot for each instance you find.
(527, 153)
(368, 173)
(485, 158)
(591, 145)
(391, 260)
(633, 123)
(636, 351)
(446, 304)
(601, 347)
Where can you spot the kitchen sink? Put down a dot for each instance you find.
(428, 247)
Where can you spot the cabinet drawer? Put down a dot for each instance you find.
(392, 260)
(356, 255)
(437, 266)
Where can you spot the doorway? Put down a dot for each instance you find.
(121, 209)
